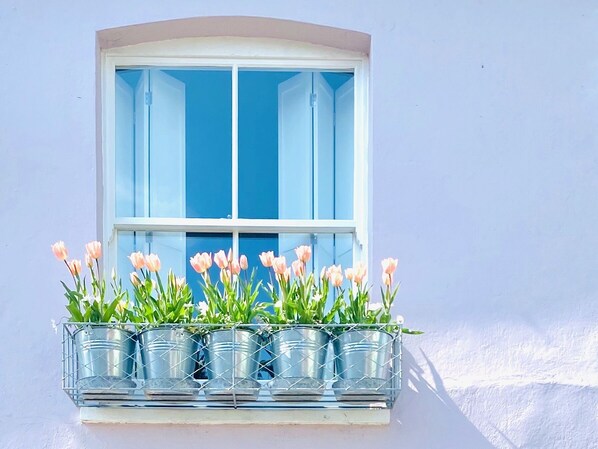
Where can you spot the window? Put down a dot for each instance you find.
(246, 144)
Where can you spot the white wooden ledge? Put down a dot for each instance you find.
(363, 417)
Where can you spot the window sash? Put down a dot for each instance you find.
(241, 225)
(358, 226)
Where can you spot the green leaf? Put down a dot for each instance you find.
(75, 312)
(109, 312)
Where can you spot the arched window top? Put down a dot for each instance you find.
(238, 33)
(234, 47)
(185, 100)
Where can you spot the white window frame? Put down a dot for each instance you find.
(235, 53)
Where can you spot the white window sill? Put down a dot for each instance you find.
(362, 417)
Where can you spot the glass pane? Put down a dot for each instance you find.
(173, 143)
(296, 144)
(174, 249)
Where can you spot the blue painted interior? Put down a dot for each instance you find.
(208, 153)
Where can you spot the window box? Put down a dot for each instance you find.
(354, 355)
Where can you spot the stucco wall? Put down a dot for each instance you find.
(485, 186)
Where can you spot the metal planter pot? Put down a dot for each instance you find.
(364, 365)
(232, 365)
(105, 360)
(299, 363)
(169, 360)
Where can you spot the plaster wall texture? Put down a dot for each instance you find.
(485, 184)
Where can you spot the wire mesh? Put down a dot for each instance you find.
(240, 366)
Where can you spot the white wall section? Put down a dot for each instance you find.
(484, 175)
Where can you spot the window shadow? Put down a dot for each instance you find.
(426, 416)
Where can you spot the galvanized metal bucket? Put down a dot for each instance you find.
(232, 365)
(105, 360)
(299, 363)
(363, 365)
(169, 360)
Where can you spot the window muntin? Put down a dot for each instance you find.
(238, 60)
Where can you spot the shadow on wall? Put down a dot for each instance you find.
(426, 417)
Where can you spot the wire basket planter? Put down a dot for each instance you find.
(241, 366)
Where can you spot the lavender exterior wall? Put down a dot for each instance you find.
(485, 185)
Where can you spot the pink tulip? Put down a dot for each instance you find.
(303, 253)
(137, 260)
(360, 272)
(221, 260)
(267, 258)
(152, 262)
(243, 262)
(336, 278)
(74, 267)
(298, 268)
(94, 249)
(389, 265)
(235, 267)
(349, 273)
(279, 264)
(88, 260)
(196, 263)
(201, 262)
(387, 279)
(207, 260)
(59, 250)
(134, 278)
(334, 269)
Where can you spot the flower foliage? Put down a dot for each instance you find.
(89, 303)
(155, 302)
(232, 299)
(297, 294)
(359, 309)
(299, 299)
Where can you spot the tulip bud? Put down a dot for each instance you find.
(267, 258)
(74, 267)
(94, 249)
(221, 260)
(303, 253)
(137, 260)
(134, 278)
(389, 265)
(152, 262)
(298, 268)
(59, 250)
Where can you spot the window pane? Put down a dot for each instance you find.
(296, 144)
(173, 143)
(174, 249)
